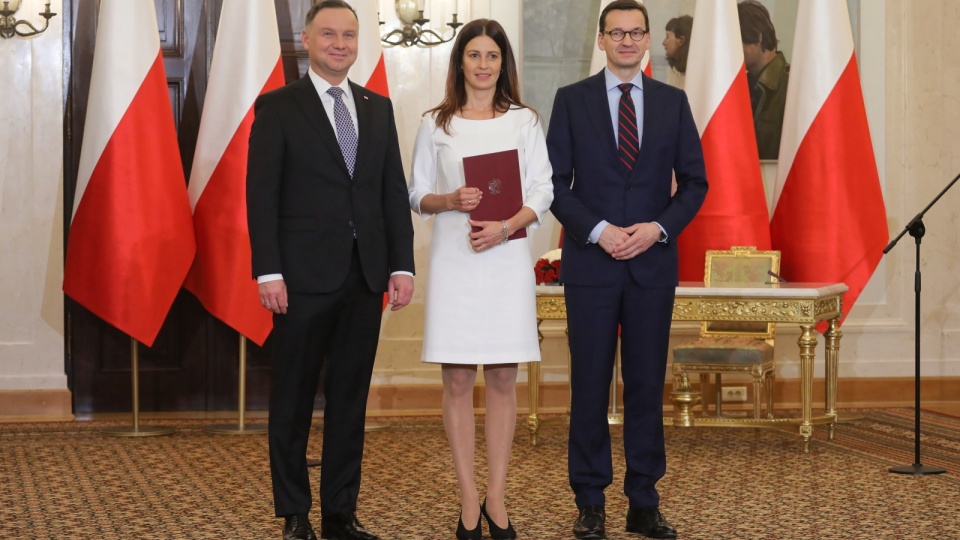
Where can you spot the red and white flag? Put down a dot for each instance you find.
(599, 59)
(369, 70)
(246, 63)
(131, 238)
(735, 210)
(829, 220)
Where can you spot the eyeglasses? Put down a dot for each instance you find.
(617, 35)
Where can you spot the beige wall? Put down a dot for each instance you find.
(31, 192)
(923, 155)
(909, 66)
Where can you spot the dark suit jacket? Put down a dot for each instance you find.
(302, 205)
(590, 184)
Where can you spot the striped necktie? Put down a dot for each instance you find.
(627, 143)
(346, 135)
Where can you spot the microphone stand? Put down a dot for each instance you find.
(917, 230)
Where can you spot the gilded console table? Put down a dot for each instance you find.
(804, 304)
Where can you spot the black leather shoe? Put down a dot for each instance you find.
(590, 524)
(344, 527)
(650, 523)
(496, 533)
(297, 527)
(468, 534)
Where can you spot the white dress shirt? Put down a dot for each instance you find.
(613, 99)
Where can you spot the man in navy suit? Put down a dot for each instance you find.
(330, 232)
(615, 141)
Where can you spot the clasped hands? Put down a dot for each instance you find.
(491, 234)
(624, 243)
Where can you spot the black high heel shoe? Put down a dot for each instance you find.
(473, 534)
(496, 533)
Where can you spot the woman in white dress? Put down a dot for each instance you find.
(480, 298)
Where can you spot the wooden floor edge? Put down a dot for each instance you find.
(36, 406)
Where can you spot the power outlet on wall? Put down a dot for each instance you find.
(734, 393)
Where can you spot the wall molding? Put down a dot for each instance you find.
(425, 399)
(36, 406)
(852, 393)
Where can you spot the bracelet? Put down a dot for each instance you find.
(503, 232)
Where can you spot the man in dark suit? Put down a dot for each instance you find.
(330, 231)
(615, 139)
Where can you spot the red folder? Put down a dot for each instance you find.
(497, 175)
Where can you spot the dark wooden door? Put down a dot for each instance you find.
(193, 364)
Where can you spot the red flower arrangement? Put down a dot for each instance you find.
(547, 268)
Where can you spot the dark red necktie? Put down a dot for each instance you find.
(627, 142)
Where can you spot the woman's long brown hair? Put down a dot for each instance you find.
(508, 85)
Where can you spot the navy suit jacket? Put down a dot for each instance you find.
(302, 205)
(590, 184)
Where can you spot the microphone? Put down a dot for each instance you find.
(776, 276)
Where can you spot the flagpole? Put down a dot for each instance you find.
(136, 430)
(240, 428)
(916, 229)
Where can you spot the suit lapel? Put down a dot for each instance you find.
(316, 115)
(650, 111)
(598, 109)
(364, 125)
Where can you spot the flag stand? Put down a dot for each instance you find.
(137, 430)
(917, 230)
(240, 428)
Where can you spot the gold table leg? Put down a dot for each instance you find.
(614, 416)
(832, 362)
(533, 393)
(684, 398)
(808, 344)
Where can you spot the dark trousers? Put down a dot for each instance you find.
(594, 315)
(340, 329)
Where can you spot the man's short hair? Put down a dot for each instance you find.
(623, 5)
(756, 26)
(323, 4)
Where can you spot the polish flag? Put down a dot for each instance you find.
(829, 220)
(735, 210)
(599, 59)
(369, 70)
(131, 238)
(246, 63)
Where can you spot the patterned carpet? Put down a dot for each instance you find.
(66, 480)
